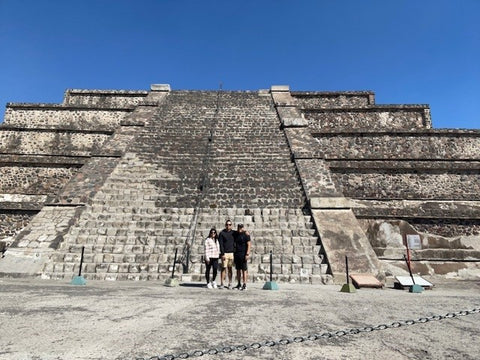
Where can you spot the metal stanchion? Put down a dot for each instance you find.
(348, 288)
(172, 281)
(80, 280)
(270, 285)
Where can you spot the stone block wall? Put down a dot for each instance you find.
(61, 117)
(407, 184)
(416, 209)
(31, 179)
(51, 142)
(104, 98)
(325, 100)
(85, 183)
(317, 179)
(369, 119)
(447, 227)
(432, 144)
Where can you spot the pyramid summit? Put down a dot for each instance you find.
(133, 176)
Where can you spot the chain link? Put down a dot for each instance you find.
(312, 337)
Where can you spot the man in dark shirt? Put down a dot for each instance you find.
(225, 239)
(241, 255)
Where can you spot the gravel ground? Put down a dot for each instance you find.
(126, 320)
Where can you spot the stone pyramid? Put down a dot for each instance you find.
(134, 176)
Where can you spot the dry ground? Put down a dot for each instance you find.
(125, 320)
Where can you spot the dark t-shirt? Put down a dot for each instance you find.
(225, 240)
(241, 239)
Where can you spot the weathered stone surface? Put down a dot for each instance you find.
(160, 87)
(279, 88)
(22, 202)
(330, 203)
(342, 236)
(51, 116)
(371, 119)
(416, 209)
(104, 98)
(324, 100)
(281, 96)
(51, 142)
(32, 179)
(394, 183)
(291, 117)
(317, 179)
(413, 145)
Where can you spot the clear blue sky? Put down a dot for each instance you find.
(406, 51)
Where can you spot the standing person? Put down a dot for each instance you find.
(212, 251)
(226, 253)
(241, 255)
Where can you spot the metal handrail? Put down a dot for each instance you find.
(190, 239)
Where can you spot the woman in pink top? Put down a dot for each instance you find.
(212, 253)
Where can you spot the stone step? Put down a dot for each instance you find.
(111, 276)
(155, 268)
(159, 228)
(155, 219)
(261, 250)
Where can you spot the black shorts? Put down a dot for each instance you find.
(240, 262)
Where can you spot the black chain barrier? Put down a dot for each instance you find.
(312, 337)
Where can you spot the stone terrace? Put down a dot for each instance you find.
(397, 172)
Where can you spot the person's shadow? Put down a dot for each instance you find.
(193, 285)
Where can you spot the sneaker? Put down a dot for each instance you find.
(220, 287)
(244, 287)
(238, 287)
(229, 286)
(209, 285)
(214, 285)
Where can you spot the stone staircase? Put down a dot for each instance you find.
(202, 158)
(250, 164)
(122, 245)
(141, 245)
(287, 233)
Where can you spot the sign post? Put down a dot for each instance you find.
(415, 288)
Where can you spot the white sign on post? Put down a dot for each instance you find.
(414, 242)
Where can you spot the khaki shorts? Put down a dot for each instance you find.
(227, 261)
